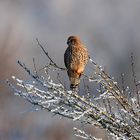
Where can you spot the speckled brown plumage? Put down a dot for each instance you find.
(76, 57)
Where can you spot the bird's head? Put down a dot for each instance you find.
(73, 40)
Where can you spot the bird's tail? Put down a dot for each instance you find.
(74, 80)
(74, 83)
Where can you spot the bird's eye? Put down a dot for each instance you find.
(69, 42)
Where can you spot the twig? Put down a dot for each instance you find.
(134, 77)
(46, 53)
(35, 70)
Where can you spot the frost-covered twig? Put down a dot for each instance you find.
(82, 134)
(134, 79)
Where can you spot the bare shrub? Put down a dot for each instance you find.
(112, 110)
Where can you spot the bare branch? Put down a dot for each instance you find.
(46, 53)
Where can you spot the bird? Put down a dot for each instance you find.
(76, 57)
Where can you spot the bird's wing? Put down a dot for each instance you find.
(67, 57)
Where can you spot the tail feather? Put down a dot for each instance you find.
(72, 86)
(74, 79)
(74, 82)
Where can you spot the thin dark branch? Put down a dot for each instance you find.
(46, 53)
(35, 69)
(123, 83)
(134, 77)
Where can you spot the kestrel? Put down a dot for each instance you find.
(75, 58)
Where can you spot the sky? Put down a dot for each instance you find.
(109, 28)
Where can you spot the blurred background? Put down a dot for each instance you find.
(109, 28)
